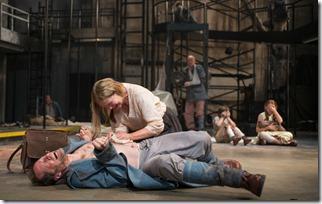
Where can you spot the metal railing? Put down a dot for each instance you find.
(82, 18)
(60, 21)
(10, 16)
(85, 18)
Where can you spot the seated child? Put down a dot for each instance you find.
(269, 127)
(226, 128)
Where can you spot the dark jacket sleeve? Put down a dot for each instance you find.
(202, 74)
(186, 75)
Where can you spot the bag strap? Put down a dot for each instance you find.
(11, 157)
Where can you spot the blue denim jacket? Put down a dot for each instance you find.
(109, 169)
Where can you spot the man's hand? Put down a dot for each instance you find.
(100, 143)
(187, 83)
(109, 135)
(85, 133)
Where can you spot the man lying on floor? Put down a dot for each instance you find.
(165, 162)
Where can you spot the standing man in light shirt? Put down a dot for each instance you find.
(196, 95)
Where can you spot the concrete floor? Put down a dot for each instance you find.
(292, 175)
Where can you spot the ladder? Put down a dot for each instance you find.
(132, 41)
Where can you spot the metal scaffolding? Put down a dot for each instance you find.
(176, 39)
(172, 42)
(158, 43)
(179, 39)
(64, 28)
(133, 41)
(239, 63)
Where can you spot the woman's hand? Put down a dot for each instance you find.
(123, 136)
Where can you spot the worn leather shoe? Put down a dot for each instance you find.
(253, 182)
(236, 140)
(246, 140)
(232, 164)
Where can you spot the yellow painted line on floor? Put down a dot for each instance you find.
(67, 129)
(21, 133)
(12, 134)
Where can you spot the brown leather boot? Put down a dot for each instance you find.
(253, 182)
(232, 164)
(236, 140)
(246, 140)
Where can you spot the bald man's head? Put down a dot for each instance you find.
(191, 60)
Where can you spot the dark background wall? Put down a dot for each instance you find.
(72, 76)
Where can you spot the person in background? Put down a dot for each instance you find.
(54, 115)
(196, 95)
(53, 108)
(133, 112)
(269, 127)
(227, 129)
(182, 14)
(277, 15)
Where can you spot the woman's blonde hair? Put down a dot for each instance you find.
(103, 89)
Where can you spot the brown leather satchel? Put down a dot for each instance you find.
(37, 143)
